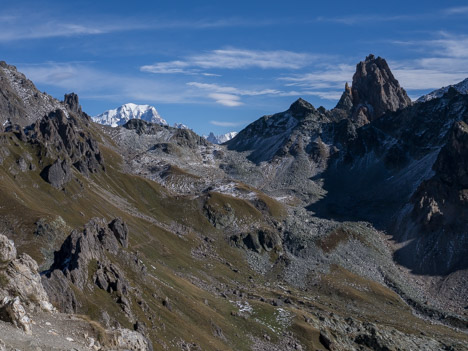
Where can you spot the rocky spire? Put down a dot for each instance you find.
(72, 102)
(374, 91)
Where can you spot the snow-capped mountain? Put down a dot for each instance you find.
(180, 126)
(461, 87)
(219, 139)
(124, 113)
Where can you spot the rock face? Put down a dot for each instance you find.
(72, 262)
(65, 140)
(20, 287)
(440, 209)
(374, 91)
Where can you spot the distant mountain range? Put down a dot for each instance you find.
(121, 115)
(126, 112)
(220, 139)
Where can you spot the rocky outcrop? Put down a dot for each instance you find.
(7, 250)
(71, 101)
(66, 140)
(120, 230)
(374, 92)
(258, 241)
(83, 255)
(21, 290)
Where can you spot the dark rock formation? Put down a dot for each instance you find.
(374, 92)
(301, 108)
(73, 263)
(258, 241)
(64, 138)
(71, 101)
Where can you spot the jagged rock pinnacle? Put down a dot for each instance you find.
(374, 90)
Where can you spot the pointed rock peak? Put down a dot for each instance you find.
(375, 87)
(300, 108)
(347, 88)
(72, 102)
(346, 100)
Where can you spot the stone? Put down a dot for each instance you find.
(13, 311)
(7, 250)
(125, 339)
(58, 174)
(120, 230)
(25, 281)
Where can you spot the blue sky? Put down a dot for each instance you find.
(219, 65)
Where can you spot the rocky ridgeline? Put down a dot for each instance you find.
(21, 102)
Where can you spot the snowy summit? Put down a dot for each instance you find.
(124, 113)
(219, 139)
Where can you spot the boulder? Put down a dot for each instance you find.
(58, 174)
(7, 250)
(125, 339)
(13, 311)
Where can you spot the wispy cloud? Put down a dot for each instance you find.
(331, 76)
(443, 62)
(232, 90)
(95, 83)
(226, 124)
(366, 18)
(226, 99)
(43, 25)
(457, 10)
(234, 58)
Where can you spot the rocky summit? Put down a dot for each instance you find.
(311, 229)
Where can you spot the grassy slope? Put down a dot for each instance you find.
(165, 230)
